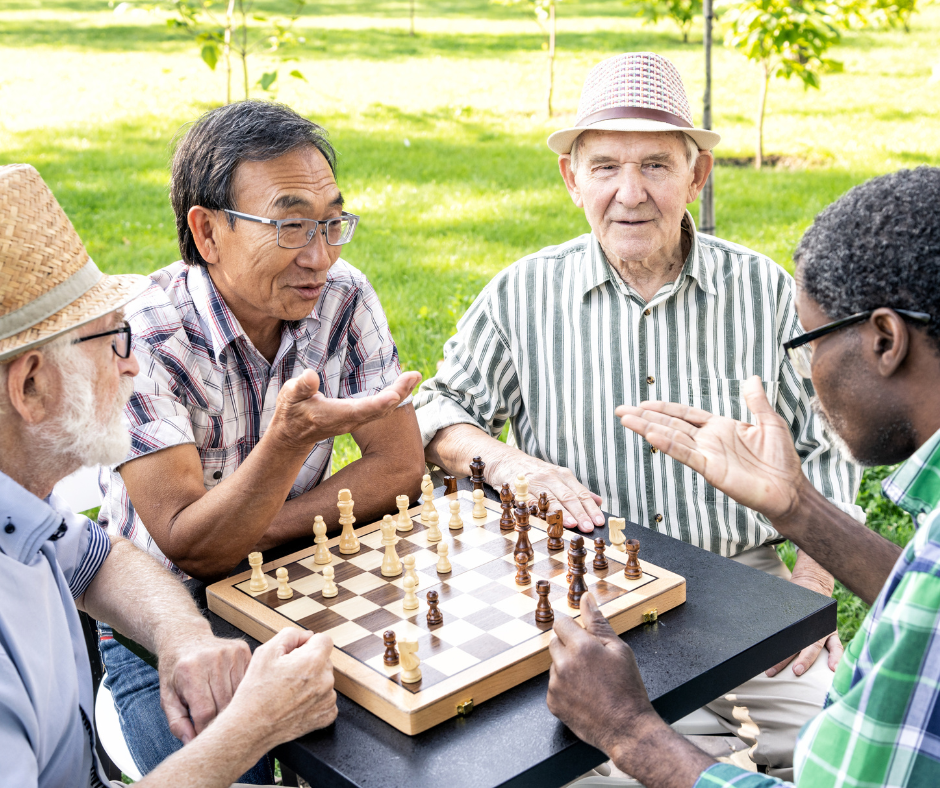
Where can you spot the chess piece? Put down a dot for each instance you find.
(434, 614)
(479, 510)
(556, 529)
(476, 474)
(576, 555)
(427, 493)
(506, 523)
(410, 662)
(450, 485)
(522, 490)
(617, 538)
(434, 532)
(258, 582)
(409, 563)
(410, 601)
(543, 506)
(404, 522)
(348, 543)
(523, 545)
(322, 555)
(284, 591)
(632, 570)
(543, 610)
(390, 657)
(443, 562)
(600, 560)
(456, 523)
(522, 570)
(329, 587)
(391, 564)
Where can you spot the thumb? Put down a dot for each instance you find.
(305, 386)
(756, 398)
(594, 621)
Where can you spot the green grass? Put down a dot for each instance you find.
(442, 138)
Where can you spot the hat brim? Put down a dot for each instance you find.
(561, 141)
(110, 293)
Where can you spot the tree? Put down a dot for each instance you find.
(879, 13)
(681, 12)
(785, 39)
(544, 13)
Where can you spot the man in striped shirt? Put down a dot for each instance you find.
(642, 307)
(867, 271)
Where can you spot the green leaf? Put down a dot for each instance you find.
(267, 80)
(210, 55)
(297, 75)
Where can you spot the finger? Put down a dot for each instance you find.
(566, 630)
(316, 649)
(594, 621)
(283, 643)
(304, 386)
(771, 672)
(654, 417)
(694, 416)
(406, 383)
(834, 645)
(644, 429)
(575, 513)
(756, 398)
(805, 659)
(177, 715)
(678, 451)
(201, 703)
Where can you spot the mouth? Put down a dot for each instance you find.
(632, 222)
(308, 292)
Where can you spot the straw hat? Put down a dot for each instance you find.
(48, 284)
(637, 91)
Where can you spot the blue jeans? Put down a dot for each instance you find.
(135, 687)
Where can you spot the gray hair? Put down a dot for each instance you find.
(207, 156)
(53, 351)
(691, 149)
(878, 245)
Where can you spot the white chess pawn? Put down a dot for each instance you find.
(410, 602)
(427, 492)
(329, 587)
(479, 510)
(443, 563)
(284, 591)
(403, 521)
(409, 563)
(391, 564)
(455, 522)
(434, 532)
(322, 556)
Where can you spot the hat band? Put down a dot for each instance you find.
(50, 302)
(644, 113)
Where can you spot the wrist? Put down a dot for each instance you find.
(791, 522)
(182, 638)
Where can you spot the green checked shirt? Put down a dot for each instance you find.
(881, 722)
(557, 341)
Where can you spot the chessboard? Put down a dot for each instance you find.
(488, 641)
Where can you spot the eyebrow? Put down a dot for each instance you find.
(287, 201)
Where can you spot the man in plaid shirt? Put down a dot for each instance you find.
(256, 350)
(867, 274)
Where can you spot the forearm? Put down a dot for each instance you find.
(658, 757)
(142, 600)
(454, 447)
(808, 572)
(861, 559)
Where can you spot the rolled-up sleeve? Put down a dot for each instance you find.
(80, 550)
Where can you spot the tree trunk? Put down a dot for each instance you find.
(227, 50)
(706, 216)
(412, 31)
(244, 52)
(551, 59)
(759, 157)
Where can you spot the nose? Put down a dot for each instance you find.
(631, 190)
(129, 365)
(317, 254)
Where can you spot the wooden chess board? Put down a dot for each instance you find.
(489, 640)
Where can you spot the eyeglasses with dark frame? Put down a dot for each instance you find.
(297, 233)
(801, 352)
(121, 344)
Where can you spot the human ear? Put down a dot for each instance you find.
(564, 165)
(28, 382)
(891, 340)
(703, 166)
(205, 226)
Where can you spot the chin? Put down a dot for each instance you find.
(885, 443)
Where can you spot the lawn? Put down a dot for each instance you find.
(442, 137)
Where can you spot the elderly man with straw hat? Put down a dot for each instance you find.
(642, 307)
(66, 371)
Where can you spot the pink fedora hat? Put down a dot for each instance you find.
(636, 91)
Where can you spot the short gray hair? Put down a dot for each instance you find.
(691, 149)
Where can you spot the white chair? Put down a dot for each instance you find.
(80, 490)
(110, 735)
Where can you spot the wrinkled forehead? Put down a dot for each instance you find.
(300, 179)
(632, 143)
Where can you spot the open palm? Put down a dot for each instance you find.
(756, 465)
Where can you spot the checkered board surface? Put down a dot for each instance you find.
(489, 621)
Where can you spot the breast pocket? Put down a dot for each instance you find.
(217, 464)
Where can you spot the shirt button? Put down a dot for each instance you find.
(651, 380)
(658, 518)
(653, 450)
(647, 312)
(217, 475)
(9, 528)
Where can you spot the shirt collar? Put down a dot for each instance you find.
(915, 486)
(224, 327)
(699, 266)
(33, 520)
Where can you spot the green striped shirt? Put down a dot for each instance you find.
(557, 340)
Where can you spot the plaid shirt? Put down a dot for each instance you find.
(202, 381)
(881, 722)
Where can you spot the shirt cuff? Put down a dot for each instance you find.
(442, 412)
(99, 546)
(724, 775)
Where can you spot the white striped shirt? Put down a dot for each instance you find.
(557, 340)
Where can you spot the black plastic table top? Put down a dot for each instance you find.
(736, 622)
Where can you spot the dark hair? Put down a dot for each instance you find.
(877, 245)
(206, 158)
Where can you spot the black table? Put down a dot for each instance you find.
(736, 622)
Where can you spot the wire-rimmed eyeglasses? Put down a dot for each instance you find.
(297, 233)
(801, 352)
(121, 344)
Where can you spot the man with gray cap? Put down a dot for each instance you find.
(642, 307)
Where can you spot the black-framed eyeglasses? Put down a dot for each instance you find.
(297, 233)
(121, 344)
(801, 352)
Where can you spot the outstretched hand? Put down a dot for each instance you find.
(756, 465)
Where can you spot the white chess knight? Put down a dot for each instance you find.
(617, 539)
(391, 563)
(409, 660)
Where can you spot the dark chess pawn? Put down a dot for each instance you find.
(543, 507)
(391, 654)
(576, 555)
(600, 560)
(522, 569)
(522, 529)
(632, 570)
(543, 610)
(506, 523)
(434, 615)
(556, 527)
(476, 473)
